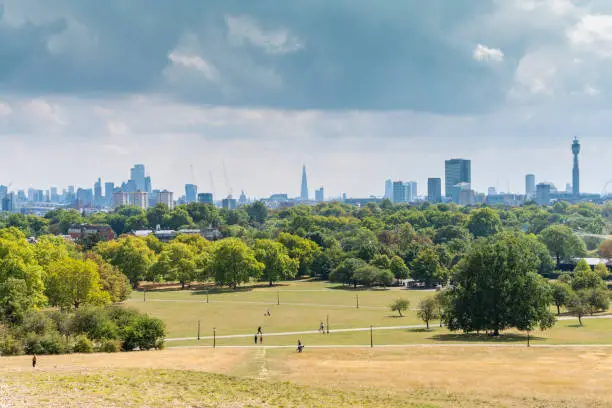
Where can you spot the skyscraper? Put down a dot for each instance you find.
(543, 194)
(98, 192)
(457, 173)
(412, 190)
(206, 198)
(320, 195)
(434, 190)
(166, 197)
(304, 190)
(530, 186)
(576, 171)
(191, 193)
(147, 185)
(388, 189)
(137, 173)
(109, 187)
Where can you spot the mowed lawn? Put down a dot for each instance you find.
(303, 306)
(457, 376)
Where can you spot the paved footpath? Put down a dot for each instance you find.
(356, 329)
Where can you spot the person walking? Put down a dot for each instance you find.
(322, 328)
(256, 339)
(259, 330)
(34, 361)
(261, 338)
(300, 346)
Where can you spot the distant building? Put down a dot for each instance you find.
(320, 195)
(491, 191)
(140, 199)
(434, 190)
(137, 175)
(304, 188)
(147, 184)
(543, 194)
(389, 189)
(109, 187)
(98, 192)
(229, 203)
(166, 197)
(242, 200)
(466, 196)
(512, 200)
(279, 197)
(191, 193)
(530, 186)
(404, 192)
(456, 172)
(576, 170)
(361, 202)
(84, 197)
(83, 231)
(8, 202)
(120, 198)
(205, 198)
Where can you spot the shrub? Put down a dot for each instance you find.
(145, 333)
(9, 346)
(95, 323)
(62, 321)
(400, 305)
(109, 346)
(51, 343)
(83, 345)
(38, 323)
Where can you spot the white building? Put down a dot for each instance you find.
(165, 197)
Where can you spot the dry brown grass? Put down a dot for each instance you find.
(455, 376)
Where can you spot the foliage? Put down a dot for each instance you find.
(428, 310)
(562, 243)
(561, 294)
(496, 287)
(145, 333)
(83, 345)
(426, 268)
(278, 265)
(400, 305)
(130, 254)
(72, 283)
(484, 222)
(233, 263)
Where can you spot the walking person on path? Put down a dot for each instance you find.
(261, 338)
(259, 330)
(299, 346)
(34, 361)
(322, 328)
(256, 339)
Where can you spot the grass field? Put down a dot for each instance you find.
(416, 377)
(303, 305)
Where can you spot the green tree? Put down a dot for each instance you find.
(233, 263)
(399, 268)
(561, 294)
(301, 249)
(585, 278)
(496, 286)
(426, 267)
(176, 262)
(14, 300)
(278, 264)
(400, 305)
(562, 243)
(72, 283)
(144, 333)
(156, 215)
(602, 270)
(578, 305)
(605, 249)
(345, 272)
(428, 310)
(130, 254)
(113, 281)
(177, 218)
(381, 261)
(484, 222)
(258, 212)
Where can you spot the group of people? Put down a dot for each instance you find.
(259, 335)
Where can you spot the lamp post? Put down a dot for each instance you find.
(144, 294)
(214, 337)
(198, 330)
(206, 295)
(357, 297)
(327, 322)
(371, 338)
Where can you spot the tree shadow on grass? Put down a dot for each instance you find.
(202, 289)
(422, 330)
(575, 326)
(473, 337)
(351, 288)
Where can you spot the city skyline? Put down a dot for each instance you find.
(506, 98)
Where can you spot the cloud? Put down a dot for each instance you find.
(243, 29)
(484, 53)
(195, 62)
(5, 109)
(593, 33)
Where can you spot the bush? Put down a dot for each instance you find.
(62, 321)
(83, 345)
(95, 323)
(145, 333)
(109, 346)
(51, 343)
(9, 346)
(38, 323)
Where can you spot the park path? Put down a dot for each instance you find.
(353, 329)
(253, 302)
(412, 345)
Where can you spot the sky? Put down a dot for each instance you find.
(236, 95)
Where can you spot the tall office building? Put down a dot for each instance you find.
(304, 190)
(98, 192)
(191, 193)
(388, 189)
(137, 174)
(109, 187)
(543, 194)
(84, 197)
(205, 198)
(53, 197)
(320, 195)
(530, 186)
(3, 191)
(434, 190)
(147, 184)
(229, 203)
(412, 190)
(165, 197)
(575, 170)
(457, 173)
(8, 202)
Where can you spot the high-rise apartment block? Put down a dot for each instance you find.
(458, 177)
(543, 194)
(139, 199)
(166, 197)
(120, 198)
(530, 186)
(434, 190)
(404, 192)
